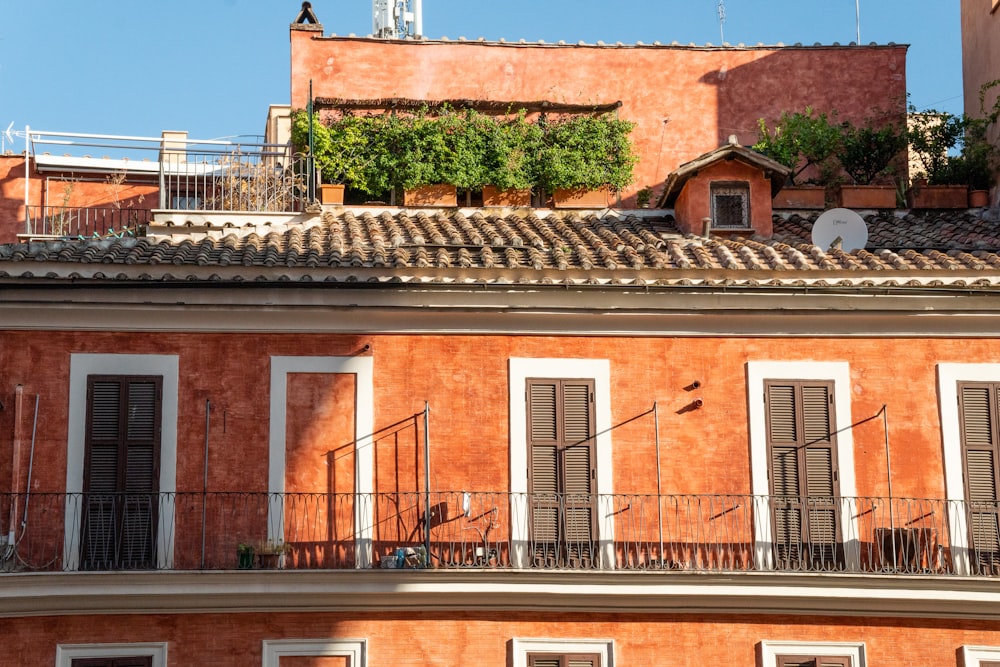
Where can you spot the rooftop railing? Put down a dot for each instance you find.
(66, 221)
(505, 531)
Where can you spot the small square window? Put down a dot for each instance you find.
(731, 205)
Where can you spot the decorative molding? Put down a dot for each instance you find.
(67, 653)
(353, 649)
(520, 648)
(770, 650)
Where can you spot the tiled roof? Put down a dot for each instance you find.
(483, 247)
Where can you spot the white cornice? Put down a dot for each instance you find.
(582, 592)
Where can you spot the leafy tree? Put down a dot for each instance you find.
(799, 140)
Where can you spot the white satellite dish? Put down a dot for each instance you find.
(843, 224)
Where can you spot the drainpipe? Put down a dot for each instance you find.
(27, 178)
(427, 483)
(659, 492)
(204, 484)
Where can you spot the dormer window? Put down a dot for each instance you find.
(730, 205)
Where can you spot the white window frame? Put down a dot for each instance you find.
(949, 377)
(354, 649)
(838, 372)
(67, 653)
(770, 650)
(603, 647)
(364, 427)
(83, 365)
(598, 370)
(973, 655)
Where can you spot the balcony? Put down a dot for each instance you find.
(503, 531)
(66, 221)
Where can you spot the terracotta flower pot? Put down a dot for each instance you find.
(493, 196)
(979, 198)
(580, 198)
(866, 196)
(431, 195)
(332, 193)
(800, 197)
(938, 196)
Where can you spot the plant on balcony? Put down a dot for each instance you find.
(932, 137)
(800, 141)
(341, 148)
(586, 152)
(512, 146)
(866, 152)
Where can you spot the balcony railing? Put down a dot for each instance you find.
(453, 530)
(260, 178)
(68, 221)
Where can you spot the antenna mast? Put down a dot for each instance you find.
(722, 19)
(397, 19)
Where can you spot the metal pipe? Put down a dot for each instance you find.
(427, 481)
(204, 484)
(418, 18)
(659, 491)
(31, 463)
(27, 178)
(888, 479)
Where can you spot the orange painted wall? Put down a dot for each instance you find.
(415, 639)
(464, 379)
(685, 100)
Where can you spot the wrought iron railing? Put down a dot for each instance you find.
(259, 178)
(74, 222)
(457, 530)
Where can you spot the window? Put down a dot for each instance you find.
(561, 472)
(121, 472)
(133, 661)
(803, 471)
(112, 655)
(354, 650)
(563, 652)
(980, 656)
(803, 406)
(812, 661)
(598, 373)
(978, 410)
(731, 205)
(564, 660)
(816, 654)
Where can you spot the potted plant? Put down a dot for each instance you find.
(511, 147)
(932, 137)
(584, 157)
(270, 554)
(866, 153)
(643, 196)
(428, 164)
(805, 143)
(340, 151)
(244, 556)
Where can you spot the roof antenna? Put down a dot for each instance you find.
(722, 19)
(397, 19)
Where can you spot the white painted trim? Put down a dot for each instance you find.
(973, 655)
(840, 373)
(83, 365)
(949, 375)
(364, 427)
(598, 370)
(354, 649)
(522, 647)
(770, 650)
(67, 653)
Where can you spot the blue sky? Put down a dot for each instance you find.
(212, 67)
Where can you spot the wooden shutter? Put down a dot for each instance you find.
(121, 471)
(978, 406)
(134, 661)
(564, 660)
(561, 472)
(813, 661)
(803, 472)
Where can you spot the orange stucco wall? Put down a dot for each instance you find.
(465, 381)
(684, 100)
(411, 638)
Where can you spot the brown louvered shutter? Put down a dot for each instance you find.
(978, 406)
(561, 447)
(802, 473)
(813, 661)
(564, 660)
(121, 471)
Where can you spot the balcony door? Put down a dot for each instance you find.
(562, 473)
(979, 405)
(121, 472)
(804, 491)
